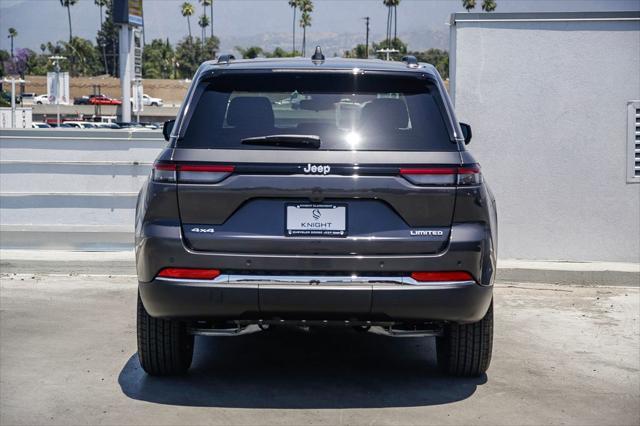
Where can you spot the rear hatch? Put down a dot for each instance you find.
(327, 163)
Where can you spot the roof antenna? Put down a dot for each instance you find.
(318, 56)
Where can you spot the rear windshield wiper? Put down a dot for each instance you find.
(287, 141)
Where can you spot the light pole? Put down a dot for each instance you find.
(126, 41)
(366, 18)
(13, 82)
(56, 67)
(388, 52)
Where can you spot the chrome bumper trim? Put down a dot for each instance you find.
(322, 280)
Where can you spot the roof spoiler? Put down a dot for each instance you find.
(226, 58)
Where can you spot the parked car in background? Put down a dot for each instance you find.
(107, 126)
(28, 98)
(82, 100)
(6, 97)
(129, 124)
(149, 101)
(40, 125)
(42, 99)
(81, 124)
(103, 100)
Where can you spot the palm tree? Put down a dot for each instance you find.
(392, 15)
(294, 5)
(489, 5)
(187, 10)
(211, 11)
(469, 4)
(206, 3)
(68, 4)
(395, 17)
(101, 4)
(12, 34)
(204, 23)
(306, 7)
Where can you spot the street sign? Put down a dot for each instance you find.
(128, 12)
(22, 118)
(137, 54)
(138, 105)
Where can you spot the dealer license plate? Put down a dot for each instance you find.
(316, 219)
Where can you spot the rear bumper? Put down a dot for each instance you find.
(361, 300)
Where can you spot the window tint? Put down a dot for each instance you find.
(347, 112)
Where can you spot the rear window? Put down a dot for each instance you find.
(346, 111)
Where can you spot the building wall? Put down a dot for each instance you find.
(546, 95)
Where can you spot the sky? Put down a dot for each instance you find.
(269, 22)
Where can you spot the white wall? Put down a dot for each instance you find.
(73, 189)
(547, 101)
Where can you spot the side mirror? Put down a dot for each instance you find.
(466, 132)
(167, 127)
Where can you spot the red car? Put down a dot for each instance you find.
(104, 100)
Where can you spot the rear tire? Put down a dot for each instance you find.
(164, 346)
(465, 349)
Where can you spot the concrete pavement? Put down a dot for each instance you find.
(563, 354)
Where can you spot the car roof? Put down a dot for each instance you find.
(328, 64)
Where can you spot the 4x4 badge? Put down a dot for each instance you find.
(203, 230)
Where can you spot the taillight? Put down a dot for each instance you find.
(469, 175)
(191, 173)
(465, 175)
(189, 273)
(442, 276)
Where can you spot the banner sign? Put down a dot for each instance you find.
(58, 89)
(138, 105)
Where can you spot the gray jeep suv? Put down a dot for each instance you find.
(316, 193)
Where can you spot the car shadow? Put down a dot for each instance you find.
(290, 368)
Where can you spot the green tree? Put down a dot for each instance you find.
(437, 57)
(306, 7)
(187, 10)
(12, 34)
(68, 4)
(279, 52)
(38, 64)
(203, 22)
(157, 59)
(190, 53)
(209, 49)
(360, 52)
(102, 4)
(107, 40)
(250, 52)
(4, 57)
(84, 58)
